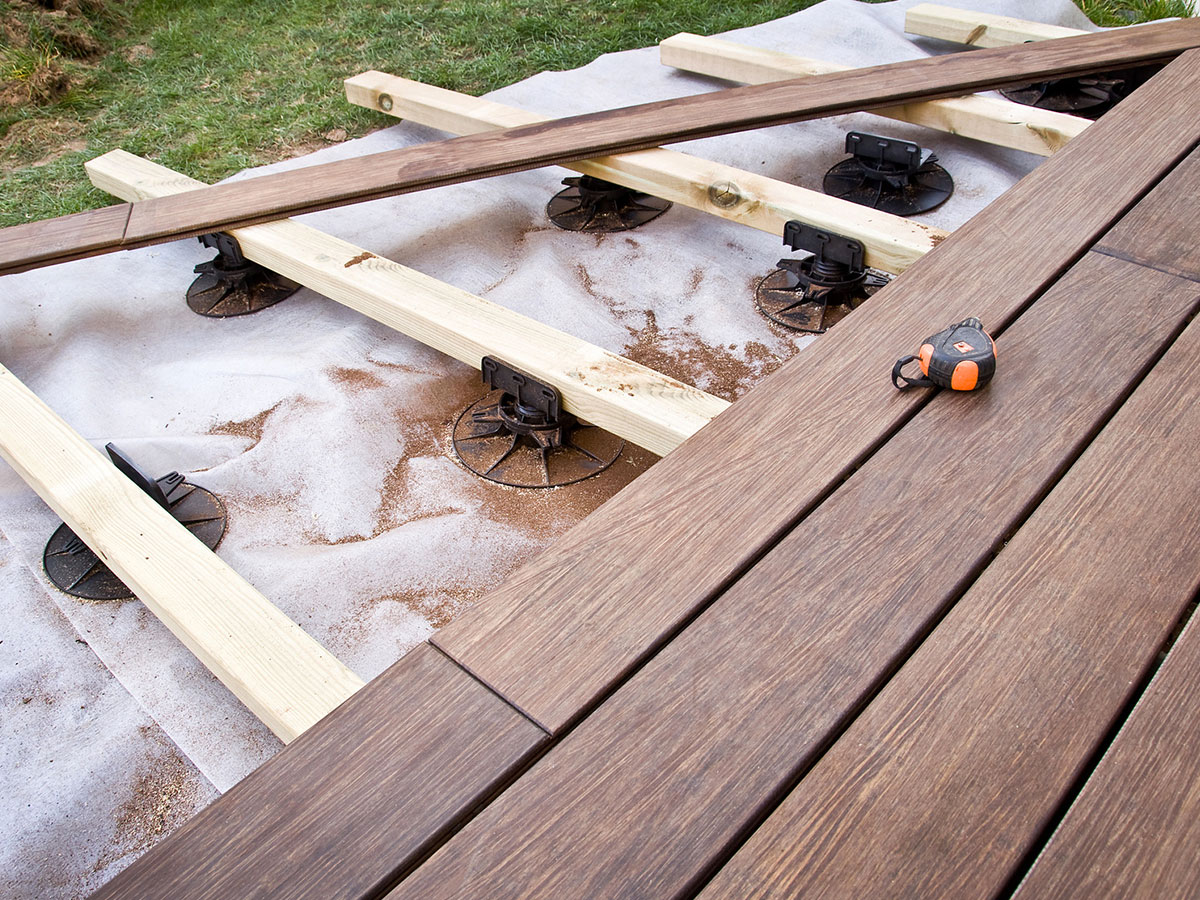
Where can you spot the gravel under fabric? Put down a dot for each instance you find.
(326, 434)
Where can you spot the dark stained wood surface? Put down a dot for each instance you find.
(1135, 829)
(561, 632)
(949, 777)
(1160, 231)
(658, 785)
(352, 801)
(493, 153)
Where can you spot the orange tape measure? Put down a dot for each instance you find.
(961, 357)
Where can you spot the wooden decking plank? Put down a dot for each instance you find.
(658, 784)
(950, 777)
(1159, 232)
(337, 183)
(890, 243)
(653, 410)
(353, 801)
(978, 29)
(281, 673)
(995, 121)
(1135, 829)
(557, 635)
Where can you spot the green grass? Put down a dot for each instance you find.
(210, 88)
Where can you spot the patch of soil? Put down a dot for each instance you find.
(718, 370)
(251, 428)
(163, 795)
(38, 37)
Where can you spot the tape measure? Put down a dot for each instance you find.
(961, 357)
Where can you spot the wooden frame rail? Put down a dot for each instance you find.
(891, 243)
(284, 676)
(628, 399)
(987, 119)
(338, 183)
(979, 29)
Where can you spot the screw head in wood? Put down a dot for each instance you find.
(385, 102)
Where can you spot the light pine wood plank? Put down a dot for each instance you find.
(285, 677)
(281, 194)
(986, 119)
(891, 243)
(978, 29)
(644, 406)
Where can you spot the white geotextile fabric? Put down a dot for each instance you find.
(326, 433)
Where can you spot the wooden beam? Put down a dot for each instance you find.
(650, 794)
(560, 632)
(241, 203)
(1134, 829)
(285, 677)
(345, 809)
(641, 405)
(998, 122)
(979, 29)
(891, 242)
(953, 772)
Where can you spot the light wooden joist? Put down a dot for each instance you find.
(891, 243)
(987, 119)
(284, 676)
(628, 399)
(979, 29)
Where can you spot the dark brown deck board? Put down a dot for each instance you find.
(1160, 231)
(561, 632)
(1135, 829)
(352, 801)
(582, 137)
(952, 774)
(658, 784)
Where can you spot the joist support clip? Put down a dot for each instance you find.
(76, 570)
(595, 206)
(888, 174)
(229, 284)
(800, 292)
(518, 434)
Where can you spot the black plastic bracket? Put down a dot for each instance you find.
(874, 152)
(532, 396)
(826, 246)
(227, 246)
(158, 488)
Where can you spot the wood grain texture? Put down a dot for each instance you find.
(1134, 832)
(653, 788)
(988, 119)
(1160, 231)
(891, 243)
(350, 803)
(951, 775)
(979, 29)
(558, 634)
(641, 127)
(284, 676)
(651, 409)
